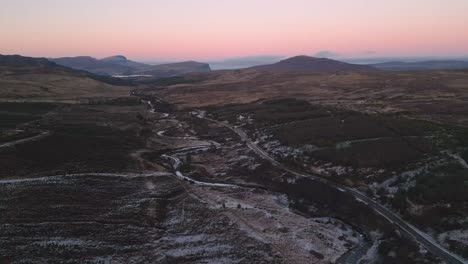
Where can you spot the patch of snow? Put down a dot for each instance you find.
(195, 250)
(58, 241)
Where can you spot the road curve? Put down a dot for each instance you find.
(404, 226)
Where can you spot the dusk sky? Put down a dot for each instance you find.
(214, 29)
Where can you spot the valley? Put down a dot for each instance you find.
(161, 174)
(234, 132)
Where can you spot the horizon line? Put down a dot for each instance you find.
(264, 56)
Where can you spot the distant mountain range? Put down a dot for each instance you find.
(173, 69)
(244, 62)
(422, 65)
(312, 64)
(123, 61)
(103, 67)
(407, 63)
(120, 65)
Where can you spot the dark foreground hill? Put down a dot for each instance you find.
(312, 64)
(25, 78)
(20, 61)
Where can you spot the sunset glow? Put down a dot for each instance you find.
(214, 29)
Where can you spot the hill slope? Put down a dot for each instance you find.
(422, 65)
(312, 64)
(25, 78)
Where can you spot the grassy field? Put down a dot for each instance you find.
(71, 148)
(437, 201)
(42, 82)
(382, 153)
(12, 114)
(341, 136)
(436, 95)
(97, 137)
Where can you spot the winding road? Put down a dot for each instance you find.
(396, 220)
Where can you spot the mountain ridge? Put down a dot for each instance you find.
(120, 65)
(103, 67)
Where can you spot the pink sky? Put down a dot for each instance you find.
(213, 29)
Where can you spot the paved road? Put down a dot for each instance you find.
(62, 176)
(459, 159)
(24, 140)
(420, 236)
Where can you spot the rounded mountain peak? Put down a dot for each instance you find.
(116, 58)
(304, 58)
